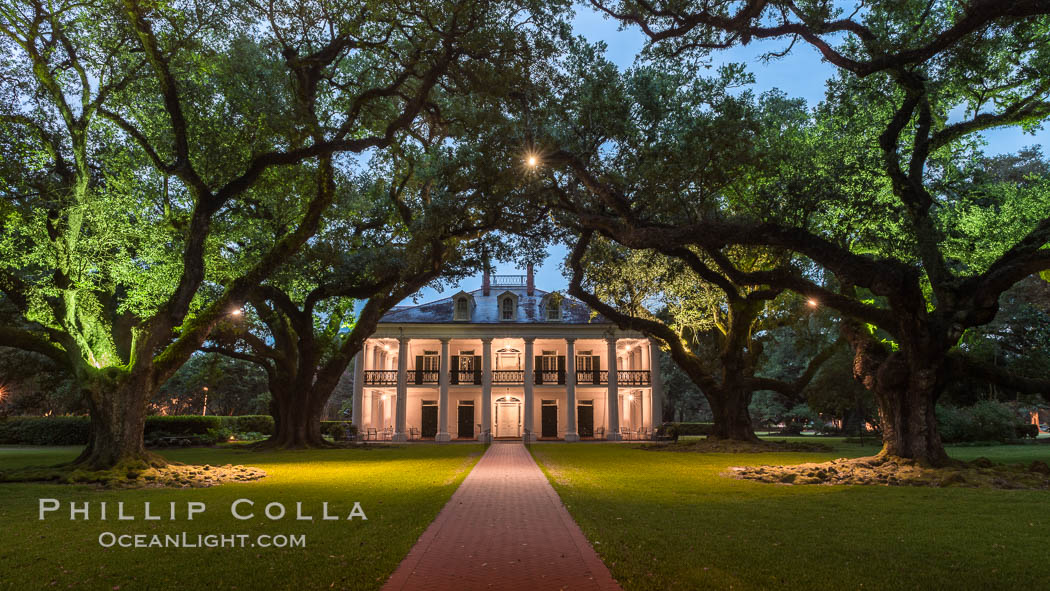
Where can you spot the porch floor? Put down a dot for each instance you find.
(504, 528)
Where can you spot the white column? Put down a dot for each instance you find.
(530, 379)
(357, 408)
(442, 432)
(486, 389)
(400, 432)
(571, 433)
(656, 399)
(612, 405)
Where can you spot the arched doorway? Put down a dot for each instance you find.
(508, 417)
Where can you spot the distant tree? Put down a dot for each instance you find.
(215, 385)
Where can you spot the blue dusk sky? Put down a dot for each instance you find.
(800, 74)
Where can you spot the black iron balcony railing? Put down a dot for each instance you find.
(508, 376)
(465, 376)
(632, 377)
(424, 376)
(624, 377)
(591, 377)
(381, 377)
(550, 376)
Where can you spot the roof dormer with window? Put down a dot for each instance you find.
(462, 307)
(508, 306)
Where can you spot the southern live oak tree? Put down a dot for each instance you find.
(714, 329)
(435, 205)
(425, 221)
(139, 137)
(918, 80)
(679, 145)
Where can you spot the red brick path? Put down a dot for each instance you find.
(504, 528)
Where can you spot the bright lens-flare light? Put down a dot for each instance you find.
(812, 303)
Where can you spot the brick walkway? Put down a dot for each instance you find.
(504, 528)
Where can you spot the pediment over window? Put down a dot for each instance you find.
(551, 307)
(463, 305)
(507, 303)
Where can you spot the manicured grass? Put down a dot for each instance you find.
(400, 490)
(663, 520)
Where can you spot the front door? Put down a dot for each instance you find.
(549, 421)
(585, 420)
(466, 422)
(508, 419)
(429, 425)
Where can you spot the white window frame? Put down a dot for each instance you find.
(463, 314)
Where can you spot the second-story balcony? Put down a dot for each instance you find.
(502, 377)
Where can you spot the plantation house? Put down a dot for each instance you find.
(504, 361)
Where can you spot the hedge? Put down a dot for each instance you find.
(693, 428)
(338, 430)
(75, 430)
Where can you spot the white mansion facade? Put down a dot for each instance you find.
(504, 361)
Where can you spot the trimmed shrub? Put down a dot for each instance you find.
(45, 430)
(76, 430)
(1027, 430)
(693, 428)
(339, 430)
(252, 424)
(984, 421)
(185, 424)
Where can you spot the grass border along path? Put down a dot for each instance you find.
(672, 521)
(400, 490)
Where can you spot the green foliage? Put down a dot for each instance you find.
(984, 421)
(338, 430)
(683, 429)
(45, 430)
(76, 430)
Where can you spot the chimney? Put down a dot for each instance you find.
(485, 282)
(530, 283)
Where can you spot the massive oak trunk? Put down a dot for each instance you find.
(118, 418)
(906, 384)
(297, 417)
(731, 417)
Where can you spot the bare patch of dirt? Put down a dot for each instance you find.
(891, 471)
(737, 447)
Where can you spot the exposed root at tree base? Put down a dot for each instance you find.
(741, 447)
(893, 471)
(139, 475)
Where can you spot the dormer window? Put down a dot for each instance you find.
(507, 309)
(462, 309)
(553, 309)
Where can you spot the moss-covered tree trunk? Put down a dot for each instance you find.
(906, 383)
(117, 404)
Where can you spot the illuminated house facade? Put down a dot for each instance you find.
(505, 361)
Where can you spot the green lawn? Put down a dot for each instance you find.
(663, 520)
(400, 490)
